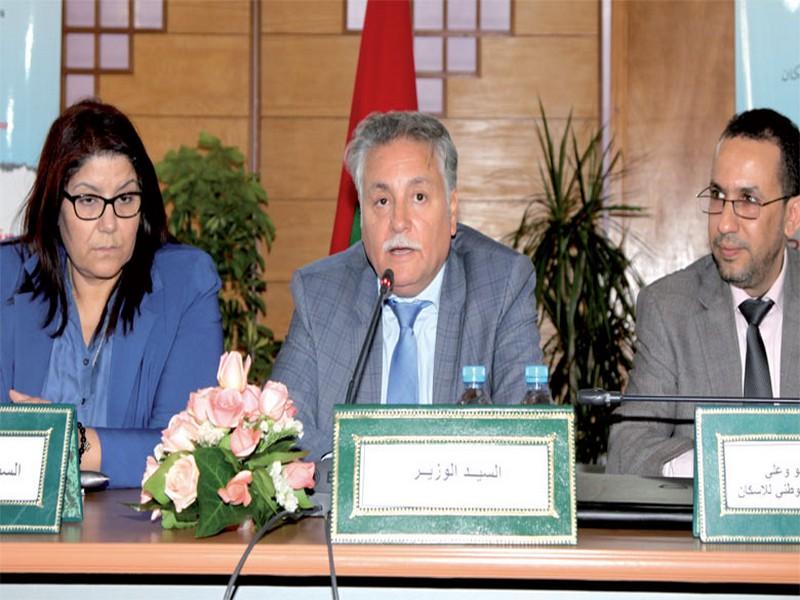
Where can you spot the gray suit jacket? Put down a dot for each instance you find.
(686, 345)
(487, 316)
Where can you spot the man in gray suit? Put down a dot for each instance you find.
(693, 338)
(472, 299)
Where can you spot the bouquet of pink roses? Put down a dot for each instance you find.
(229, 457)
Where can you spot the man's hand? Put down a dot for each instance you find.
(20, 398)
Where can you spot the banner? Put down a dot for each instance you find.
(768, 56)
(30, 76)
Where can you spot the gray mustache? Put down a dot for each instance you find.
(400, 241)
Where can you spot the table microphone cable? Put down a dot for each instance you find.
(334, 586)
(275, 522)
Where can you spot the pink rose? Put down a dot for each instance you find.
(237, 491)
(274, 398)
(200, 404)
(180, 434)
(181, 482)
(150, 468)
(244, 440)
(299, 475)
(250, 396)
(227, 408)
(232, 374)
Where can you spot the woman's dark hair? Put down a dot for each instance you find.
(84, 130)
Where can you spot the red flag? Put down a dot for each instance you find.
(385, 80)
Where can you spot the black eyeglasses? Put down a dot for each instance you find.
(712, 202)
(90, 207)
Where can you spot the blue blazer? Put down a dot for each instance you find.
(174, 349)
(487, 316)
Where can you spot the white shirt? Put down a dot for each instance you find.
(424, 332)
(770, 328)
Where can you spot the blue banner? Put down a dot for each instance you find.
(30, 83)
(768, 56)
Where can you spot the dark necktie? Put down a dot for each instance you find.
(756, 368)
(403, 379)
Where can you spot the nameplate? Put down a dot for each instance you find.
(453, 475)
(39, 471)
(747, 487)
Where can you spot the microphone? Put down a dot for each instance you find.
(387, 282)
(600, 397)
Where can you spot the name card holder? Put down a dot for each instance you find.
(39, 470)
(747, 465)
(446, 474)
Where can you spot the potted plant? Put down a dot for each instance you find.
(219, 207)
(584, 280)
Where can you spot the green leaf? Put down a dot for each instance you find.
(170, 519)
(266, 459)
(303, 500)
(215, 473)
(265, 490)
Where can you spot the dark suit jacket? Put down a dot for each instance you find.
(687, 346)
(487, 316)
(174, 349)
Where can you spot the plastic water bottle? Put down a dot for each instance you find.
(536, 380)
(474, 386)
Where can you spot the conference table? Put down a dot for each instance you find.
(119, 553)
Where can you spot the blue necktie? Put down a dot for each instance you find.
(403, 378)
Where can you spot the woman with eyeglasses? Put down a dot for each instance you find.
(99, 307)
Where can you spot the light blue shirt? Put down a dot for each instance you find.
(424, 332)
(79, 374)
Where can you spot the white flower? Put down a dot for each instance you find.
(289, 425)
(208, 435)
(158, 452)
(284, 494)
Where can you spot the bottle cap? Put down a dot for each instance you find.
(536, 374)
(474, 374)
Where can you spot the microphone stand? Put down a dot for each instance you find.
(600, 397)
(387, 281)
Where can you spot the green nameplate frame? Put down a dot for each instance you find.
(445, 474)
(747, 465)
(39, 471)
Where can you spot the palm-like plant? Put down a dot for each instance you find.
(583, 278)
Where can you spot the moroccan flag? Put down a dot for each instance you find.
(385, 80)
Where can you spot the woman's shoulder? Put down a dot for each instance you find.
(12, 251)
(179, 263)
(12, 258)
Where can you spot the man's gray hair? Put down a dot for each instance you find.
(379, 129)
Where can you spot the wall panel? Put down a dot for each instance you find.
(303, 234)
(559, 17)
(209, 16)
(516, 71)
(161, 134)
(308, 75)
(307, 16)
(183, 74)
(302, 157)
(672, 100)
